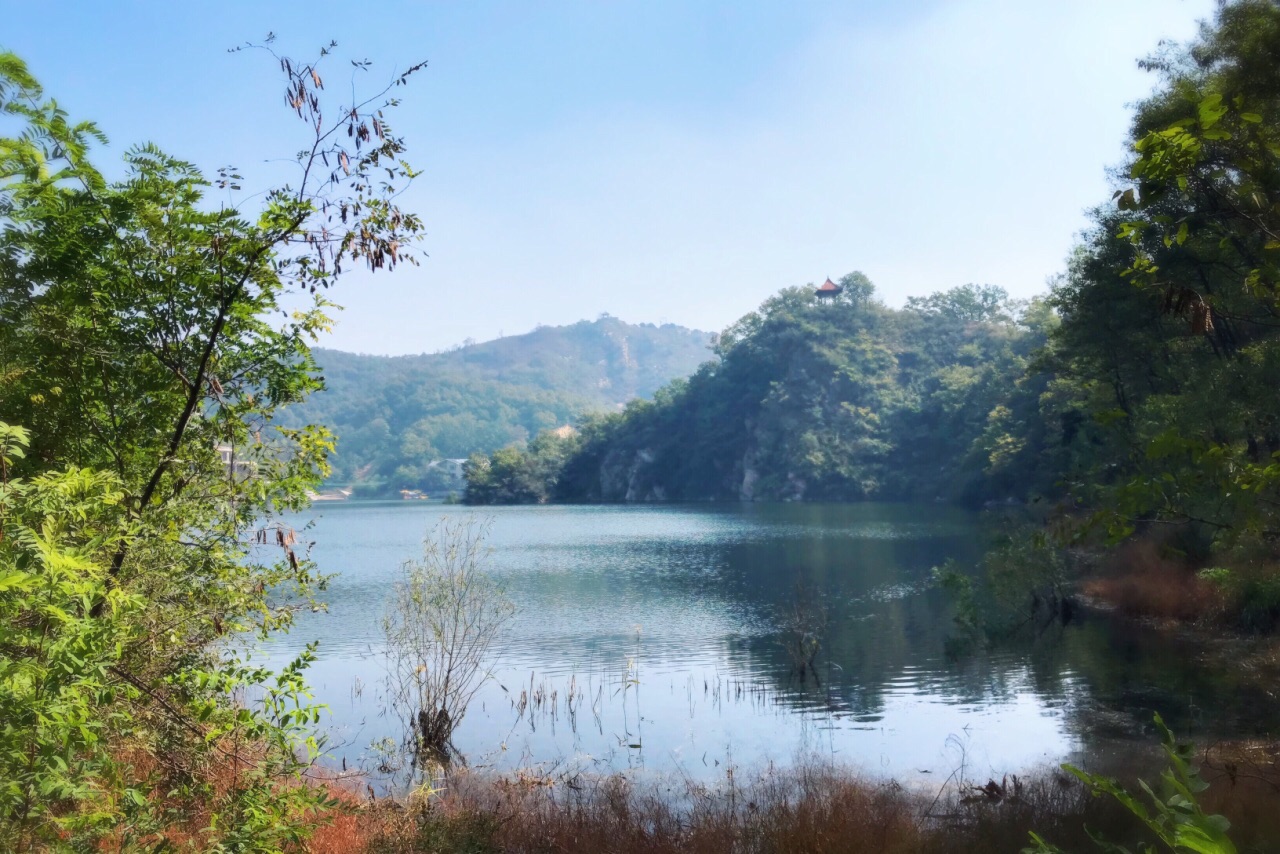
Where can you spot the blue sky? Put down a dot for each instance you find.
(660, 161)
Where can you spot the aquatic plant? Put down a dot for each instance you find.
(804, 626)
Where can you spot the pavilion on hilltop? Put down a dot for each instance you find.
(829, 289)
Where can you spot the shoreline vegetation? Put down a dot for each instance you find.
(810, 806)
(145, 462)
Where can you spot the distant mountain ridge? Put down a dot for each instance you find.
(620, 360)
(395, 415)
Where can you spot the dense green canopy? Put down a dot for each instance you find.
(821, 399)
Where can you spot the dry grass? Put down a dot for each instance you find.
(195, 791)
(208, 782)
(816, 809)
(348, 828)
(1140, 580)
(809, 808)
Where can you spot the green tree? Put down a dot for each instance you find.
(980, 303)
(137, 347)
(515, 475)
(1168, 344)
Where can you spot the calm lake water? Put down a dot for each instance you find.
(663, 622)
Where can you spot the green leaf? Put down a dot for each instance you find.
(14, 580)
(1211, 111)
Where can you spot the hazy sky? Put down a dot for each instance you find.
(660, 161)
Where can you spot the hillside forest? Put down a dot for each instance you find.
(819, 399)
(397, 418)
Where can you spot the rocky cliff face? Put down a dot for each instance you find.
(750, 479)
(627, 475)
(639, 475)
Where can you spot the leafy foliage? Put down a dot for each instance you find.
(1174, 816)
(1169, 308)
(513, 475)
(138, 353)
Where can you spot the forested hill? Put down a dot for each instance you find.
(814, 398)
(395, 416)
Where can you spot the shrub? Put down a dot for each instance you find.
(445, 613)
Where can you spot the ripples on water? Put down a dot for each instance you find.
(650, 636)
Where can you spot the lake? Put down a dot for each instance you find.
(652, 637)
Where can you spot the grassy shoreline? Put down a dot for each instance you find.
(812, 806)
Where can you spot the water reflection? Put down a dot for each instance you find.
(649, 636)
